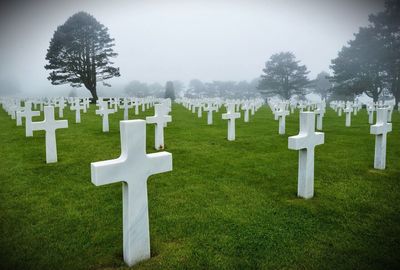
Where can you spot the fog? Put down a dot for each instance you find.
(181, 40)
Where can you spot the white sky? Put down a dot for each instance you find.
(160, 40)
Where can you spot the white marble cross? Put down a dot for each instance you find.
(199, 110)
(49, 125)
(61, 106)
(380, 130)
(281, 115)
(246, 108)
(231, 115)
(104, 111)
(348, 110)
(19, 114)
(159, 118)
(209, 109)
(77, 107)
(319, 112)
(305, 142)
(28, 114)
(126, 107)
(137, 104)
(133, 168)
(370, 110)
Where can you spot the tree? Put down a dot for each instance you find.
(283, 76)
(196, 89)
(359, 68)
(178, 87)
(387, 29)
(321, 85)
(80, 52)
(169, 90)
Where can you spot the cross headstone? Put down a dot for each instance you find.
(125, 105)
(348, 110)
(49, 125)
(380, 130)
(199, 110)
(370, 110)
(77, 107)
(133, 168)
(28, 114)
(231, 115)
(281, 114)
(61, 106)
(137, 104)
(319, 112)
(104, 111)
(19, 115)
(246, 108)
(305, 142)
(159, 119)
(209, 109)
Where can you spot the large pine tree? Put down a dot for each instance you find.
(80, 52)
(284, 76)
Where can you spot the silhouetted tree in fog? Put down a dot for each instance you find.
(169, 90)
(283, 76)
(80, 52)
(321, 85)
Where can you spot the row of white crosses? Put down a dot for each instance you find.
(280, 109)
(213, 105)
(49, 125)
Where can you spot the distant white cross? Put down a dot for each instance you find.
(28, 114)
(133, 168)
(370, 110)
(159, 118)
(77, 107)
(199, 110)
(61, 106)
(231, 115)
(305, 142)
(348, 110)
(104, 111)
(19, 115)
(281, 114)
(380, 130)
(319, 112)
(209, 109)
(246, 108)
(49, 125)
(125, 105)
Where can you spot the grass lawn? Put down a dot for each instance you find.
(225, 205)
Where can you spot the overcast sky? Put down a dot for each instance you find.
(160, 40)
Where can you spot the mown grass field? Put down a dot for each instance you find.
(225, 205)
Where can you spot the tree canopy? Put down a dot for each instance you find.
(370, 63)
(284, 76)
(80, 53)
(321, 85)
(169, 90)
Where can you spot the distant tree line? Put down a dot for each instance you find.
(227, 89)
(81, 50)
(370, 64)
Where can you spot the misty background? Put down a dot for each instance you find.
(159, 41)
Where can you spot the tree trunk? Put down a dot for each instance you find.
(94, 95)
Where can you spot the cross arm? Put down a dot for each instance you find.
(108, 172)
(159, 162)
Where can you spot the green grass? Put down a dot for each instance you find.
(225, 205)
